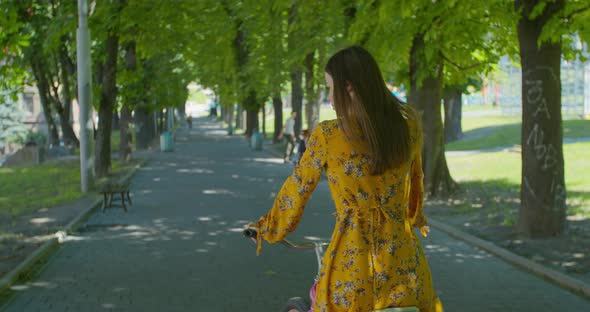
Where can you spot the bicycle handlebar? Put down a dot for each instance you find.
(250, 232)
(253, 234)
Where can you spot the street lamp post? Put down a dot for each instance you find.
(85, 97)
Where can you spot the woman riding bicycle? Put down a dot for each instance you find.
(372, 158)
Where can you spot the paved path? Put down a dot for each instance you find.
(179, 248)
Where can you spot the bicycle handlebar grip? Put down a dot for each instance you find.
(250, 233)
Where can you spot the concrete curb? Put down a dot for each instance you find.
(46, 249)
(83, 216)
(23, 268)
(558, 278)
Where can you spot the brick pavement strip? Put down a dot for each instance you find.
(180, 248)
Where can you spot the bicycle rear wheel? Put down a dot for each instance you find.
(296, 304)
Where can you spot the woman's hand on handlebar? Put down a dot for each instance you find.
(424, 231)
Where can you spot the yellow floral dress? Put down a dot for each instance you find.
(374, 259)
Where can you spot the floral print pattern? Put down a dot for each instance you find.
(375, 259)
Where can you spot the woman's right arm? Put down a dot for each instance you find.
(290, 202)
(416, 212)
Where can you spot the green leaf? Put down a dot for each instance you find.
(538, 10)
(24, 43)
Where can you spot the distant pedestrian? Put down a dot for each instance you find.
(189, 121)
(213, 109)
(302, 141)
(288, 132)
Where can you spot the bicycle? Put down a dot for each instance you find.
(298, 304)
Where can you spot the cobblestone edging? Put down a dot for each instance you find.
(558, 278)
(47, 248)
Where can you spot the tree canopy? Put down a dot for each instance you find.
(248, 51)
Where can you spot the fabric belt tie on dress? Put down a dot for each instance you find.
(376, 215)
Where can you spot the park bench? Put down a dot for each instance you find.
(115, 188)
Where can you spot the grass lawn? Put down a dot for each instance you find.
(497, 175)
(490, 132)
(28, 188)
(115, 141)
(479, 108)
(472, 123)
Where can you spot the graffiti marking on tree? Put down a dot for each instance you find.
(544, 152)
(558, 189)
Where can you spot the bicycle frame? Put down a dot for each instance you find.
(319, 251)
(317, 246)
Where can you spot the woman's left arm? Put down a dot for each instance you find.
(291, 199)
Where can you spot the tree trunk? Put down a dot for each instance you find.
(293, 42)
(164, 121)
(126, 142)
(239, 117)
(251, 114)
(145, 130)
(69, 136)
(229, 117)
(251, 121)
(312, 103)
(277, 104)
(161, 121)
(543, 192)
(244, 95)
(264, 119)
(43, 87)
(53, 137)
(297, 98)
(182, 112)
(426, 98)
(126, 138)
(107, 105)
(453, 107)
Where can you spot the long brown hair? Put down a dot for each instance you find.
(375, 112)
